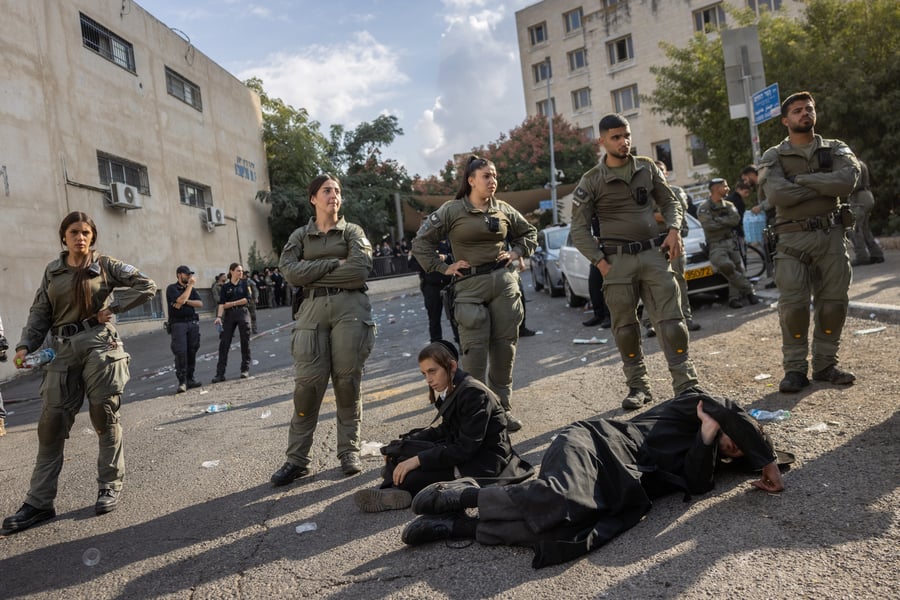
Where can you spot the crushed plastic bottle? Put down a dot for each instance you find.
(209, 464)
(217, 408)
(304, 527)
(768, 416)
(36, 359)
(265, 414)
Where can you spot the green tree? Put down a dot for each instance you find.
(844, 52)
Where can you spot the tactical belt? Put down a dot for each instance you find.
(625, 247)
(485, 268)
(323, 291)
(810, 224)
(185, 320)
(70, 329)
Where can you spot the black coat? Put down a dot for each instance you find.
(598, 476)
(472, 436)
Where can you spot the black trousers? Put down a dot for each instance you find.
(434, 306)
(595, 289)
(185, 343)
(238, 317)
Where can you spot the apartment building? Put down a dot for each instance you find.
(585, 59)
(105, 109)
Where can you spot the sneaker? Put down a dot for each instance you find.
(350, 464)
(193, 383)
(27, 516)
(753, 299)
(107, 501)
(691, 325)
(525, 332)
(735, 303)
(288, 473)
(651, 331)
(433, 528)
(382, 500)
(636, 398)
(793, 382)
(442, 497)
(182, 388)
(218, 379)
(834, 375)
(512, 423)
(245, 374)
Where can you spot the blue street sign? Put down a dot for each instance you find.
(766, 104)
(546, 205)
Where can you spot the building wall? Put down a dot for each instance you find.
(648, 22)
(61, 103)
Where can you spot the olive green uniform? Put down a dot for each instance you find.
(719, 221)
(488, 304)
(623, 200)
(90, 361)
(862, 201)
(333, 332)
(805, 186)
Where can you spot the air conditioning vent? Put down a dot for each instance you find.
(124, 196)
(215, 216)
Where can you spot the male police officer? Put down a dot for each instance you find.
(804, 178)
(719, 218)
(184, 326)
(622, 191)
(866, 249)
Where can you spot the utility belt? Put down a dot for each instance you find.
(626, 247)
(241, 307)
(318, 292)
(185, 320)
(69, 329)
(843, 217)
(485, 268)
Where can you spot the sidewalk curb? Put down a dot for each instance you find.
(860, 310)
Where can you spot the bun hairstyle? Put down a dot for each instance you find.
(473, 164)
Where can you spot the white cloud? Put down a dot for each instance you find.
(333, 82)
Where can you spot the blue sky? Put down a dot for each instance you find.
(447, 69)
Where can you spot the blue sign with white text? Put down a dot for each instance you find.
(766, 104)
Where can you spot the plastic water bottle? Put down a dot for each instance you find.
(36, 359)
(768, 416)
(219, 328)
(217, 408)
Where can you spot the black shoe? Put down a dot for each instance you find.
(651, 331)
(753, 299)
(218, 379)
(27, 516)
(861, 262)
(691, 325)
(771, 285)
(793, 382)
(525, 332)
(593, 321)
(193, 383)
(636, 398)
(287, 473)
(735, 303)
(606, 323)
(442, 497)
(876, 259)
(432, 528)
(350, 464)
(382, 499)
(107, 501)
(834, 375)
(512, 423)
(182, 388)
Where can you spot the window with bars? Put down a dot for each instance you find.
(194, 194)
(581, 99)
(711, 18)
(542, 71)
(538, 33)
(101, 40)
(114, 169)
(572, 20)
(620, 50)
(542, 107)
(577, 59)
(626, 99)
(183, 89)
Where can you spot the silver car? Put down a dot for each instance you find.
(545, 272)
(698, 273)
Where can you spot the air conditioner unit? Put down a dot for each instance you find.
(124, 196)
(215, 215)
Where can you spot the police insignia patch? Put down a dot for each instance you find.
(130, 270)
(365, 242)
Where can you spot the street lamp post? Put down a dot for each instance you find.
(552, 155)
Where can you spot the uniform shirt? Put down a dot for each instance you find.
(234, 291)
(469, 231)
(312, 257)
(718, 220)
(186, 312)
(624, 211)
(53, 303)
(800, 184)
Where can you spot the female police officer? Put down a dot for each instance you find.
(72, 305)
(488, 302)
(333, 333)
(232, 311)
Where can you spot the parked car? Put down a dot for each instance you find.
(545, 271)
(698, 273)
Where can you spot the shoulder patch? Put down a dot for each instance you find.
(842, 151)
(579, 195)
(365, 242)
(128, 269)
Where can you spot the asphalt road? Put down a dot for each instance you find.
(200, 520)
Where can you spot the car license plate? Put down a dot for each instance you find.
(698, 273)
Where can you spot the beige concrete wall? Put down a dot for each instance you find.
(649, 22)
(61, 103)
